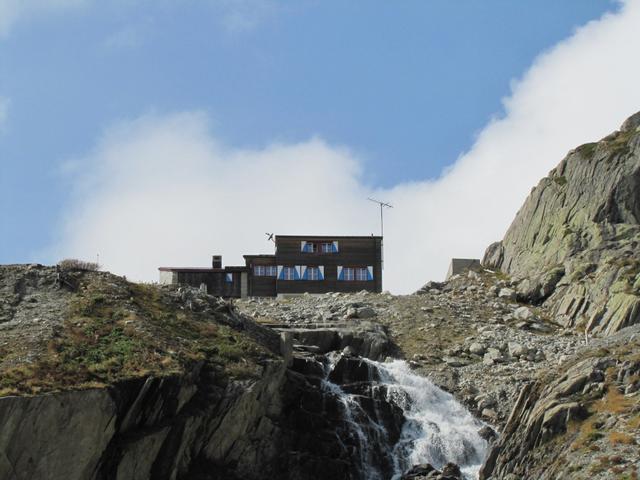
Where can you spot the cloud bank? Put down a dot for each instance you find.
(12, 11)
(162, 190)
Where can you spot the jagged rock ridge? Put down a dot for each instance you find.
(574, 243)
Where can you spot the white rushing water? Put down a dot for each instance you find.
(438, 429)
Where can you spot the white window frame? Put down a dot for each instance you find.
(326, 247)
(348, 274)
(289, 273)
(313, 273)
(361, 274)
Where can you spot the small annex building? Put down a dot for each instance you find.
(300, 264)
(460, 265)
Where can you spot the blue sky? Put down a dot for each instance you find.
(404, 86)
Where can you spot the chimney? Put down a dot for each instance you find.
(216, 261)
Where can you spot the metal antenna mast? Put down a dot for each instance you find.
(270, 237)
(382, 206)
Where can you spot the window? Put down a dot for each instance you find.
(264, 270)
(310, 247)
(361, 274)
(228, 278)
(348, 273)
(313, 273)
(322, 247)
(358, 274)
(288, 273)
(326, 247)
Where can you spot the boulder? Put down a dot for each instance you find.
(507, 294)
(451, 472)
(418, 471)
(366, 312)
(488, 433)
(523, 313)
(517, 350)
(351, 312)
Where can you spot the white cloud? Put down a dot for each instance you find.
(162, 190)
(12, 11)
(243, 15)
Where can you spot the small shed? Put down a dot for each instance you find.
(459, 265)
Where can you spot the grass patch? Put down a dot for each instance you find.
(634, 422)
(606, 463)
(587, 434)
(614, 402)
(621, 438)
(115, 330)
(588, 149)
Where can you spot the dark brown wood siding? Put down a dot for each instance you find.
(260, 286)
(352, 252)
(215, 282)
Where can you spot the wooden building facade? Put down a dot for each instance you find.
(301, 264)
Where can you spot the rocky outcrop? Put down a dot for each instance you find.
(365, 339)
(426, 471)
(292, 423)
(144, 428)
(574, 243)
(468, 335)
(104, 379)
(564, 416)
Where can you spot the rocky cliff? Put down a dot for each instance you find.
(574, 243)
(577, 421)
(573, 250)
(105, 379)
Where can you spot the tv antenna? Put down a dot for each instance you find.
(383, 205)
(270, 237)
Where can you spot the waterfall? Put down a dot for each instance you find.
(436, 428)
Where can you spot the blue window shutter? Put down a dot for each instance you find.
(370, 272)
(296, 272)
(305, 274)
(280, 272)
(340, 273)
(334, 247)
(303, 246)
(321, 272)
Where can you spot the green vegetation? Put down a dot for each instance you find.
(619, 145)
(588, 149)
(116, 330)
(561, 180)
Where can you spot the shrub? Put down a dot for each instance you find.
(73, 264)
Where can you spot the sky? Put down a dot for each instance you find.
(160, 132)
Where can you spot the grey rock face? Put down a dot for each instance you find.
(574, 243)
(554, 416)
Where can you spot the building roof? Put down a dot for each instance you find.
(260, 255)
(328, 237)
(202, 270)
